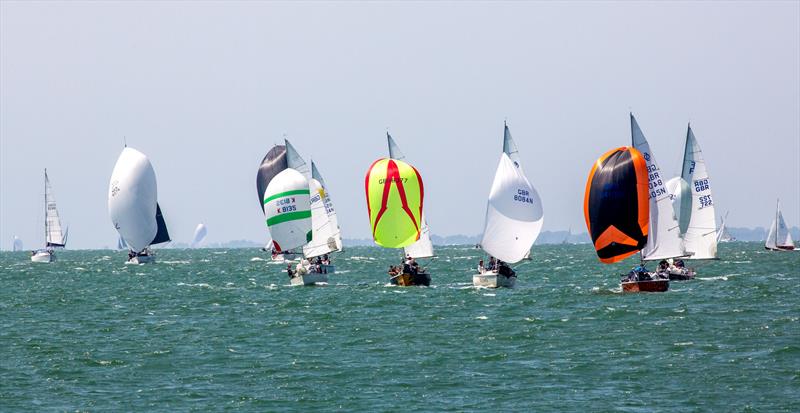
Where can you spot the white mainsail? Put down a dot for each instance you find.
(288, 210)
(779, 236)
(323, 237)
(514, 214)
(700, 238)
(200, 233)
(132, 201)
(295, 161)
(329, 209)
(54, 235)
(663, 240)
(423, 247)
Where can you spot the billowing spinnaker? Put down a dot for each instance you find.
(514, 214)
(199, 234)
(272, 164)
(700, 239)
(287, 206)
(395, 195)
(132, 199)
(616, 205)
(664, 239)
(681, 202)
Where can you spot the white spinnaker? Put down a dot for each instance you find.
(132, 199)
(423, 247)
(663, 240)
(323, 231)
(514, 214)
(288, 210)
(55, 234)
(200, 233)
(700, 240)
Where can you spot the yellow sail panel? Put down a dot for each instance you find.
(394, 200)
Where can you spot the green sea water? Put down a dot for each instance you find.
(221, 330)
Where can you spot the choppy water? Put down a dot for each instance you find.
(209, 330)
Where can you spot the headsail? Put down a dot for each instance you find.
(664, 233)
(509, 146)
(514, 214)
(287, 206)
(55, 236)
(616, 205)
(132, 202)
(395, 195)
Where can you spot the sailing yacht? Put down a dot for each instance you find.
(722, 233)
(779, 238)
(200, 233)
(693, 206)
(133, 206)
(53, 235)
(514, 218)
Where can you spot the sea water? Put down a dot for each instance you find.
(214, 330)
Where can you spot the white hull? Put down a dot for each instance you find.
(493, 280)
(285, 257)
(43, 256)
(142, 259)
(309, 279)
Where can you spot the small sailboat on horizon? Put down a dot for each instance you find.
(723, 235)
(133, 206)
(54, 237)
(200, 233)
(514, 219)
(779, 237)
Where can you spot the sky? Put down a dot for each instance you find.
(205, 89)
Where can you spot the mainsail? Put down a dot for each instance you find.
(423, 247)
(326, 236)
(54, 235)
(395, 195)
(514, 214)
(287, 207)
(132, 201)
(664, 239)
(616, 206)
(700, 238)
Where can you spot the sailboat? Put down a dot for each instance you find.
(618, 214)
(693, 206)
(395, 195)
(423, 247)
(200, 233)
(722, 233)
(273, 163)
(133, 206)
(779, 237)
(514, 219)
(16, 245)
(53, 235)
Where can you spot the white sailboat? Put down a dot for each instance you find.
(694, 209)
(53, 234)
(16, 244)
(779, 237)
(722, 233)
(514, 218)
(133, 206)
(200, 233)
(423, 247)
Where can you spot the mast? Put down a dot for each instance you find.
(46, 227)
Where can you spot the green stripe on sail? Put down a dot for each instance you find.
(291, 216)
(287, 193)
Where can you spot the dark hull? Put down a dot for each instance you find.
(405, 280)
(781, 248)
(651, 286)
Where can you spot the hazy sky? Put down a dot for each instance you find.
(206, 88)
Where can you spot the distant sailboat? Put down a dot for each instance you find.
(779, 237)
(694, 209)
(514, 218)
(200, 233)
(395, 196)
(722, 233)
(16, 245)
(567, 237)
(133, 206)
(53, 234)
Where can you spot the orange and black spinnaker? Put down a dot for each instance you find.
(616, 204)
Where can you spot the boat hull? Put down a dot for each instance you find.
(407, 280)
(309, 279)
(781, 248)
(681, 276)
(493, 281)
(649, 286)
(43, 256)
(141, 259)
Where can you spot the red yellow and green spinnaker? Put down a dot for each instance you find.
(394, 200)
